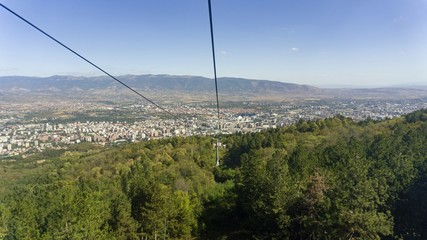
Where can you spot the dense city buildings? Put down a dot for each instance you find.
(22, 134)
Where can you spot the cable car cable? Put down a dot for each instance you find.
(86, 60)
(216, 81)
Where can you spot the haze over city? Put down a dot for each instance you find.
(322, 43)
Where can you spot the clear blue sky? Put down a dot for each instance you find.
(340, 42)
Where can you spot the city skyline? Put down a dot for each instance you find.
(347, 43)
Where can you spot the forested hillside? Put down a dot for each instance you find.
(325, 179)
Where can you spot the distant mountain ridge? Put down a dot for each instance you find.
(149, 82)
(144, 82)
(191, 88)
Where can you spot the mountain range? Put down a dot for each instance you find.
(148, 82)
(189, 85)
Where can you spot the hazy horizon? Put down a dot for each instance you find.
(324, 85)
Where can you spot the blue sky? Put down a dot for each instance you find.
(328, 42)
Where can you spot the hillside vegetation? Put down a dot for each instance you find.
(325, 179)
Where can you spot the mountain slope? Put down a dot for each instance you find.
(149, 82)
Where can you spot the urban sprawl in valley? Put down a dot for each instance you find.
(30, 128)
